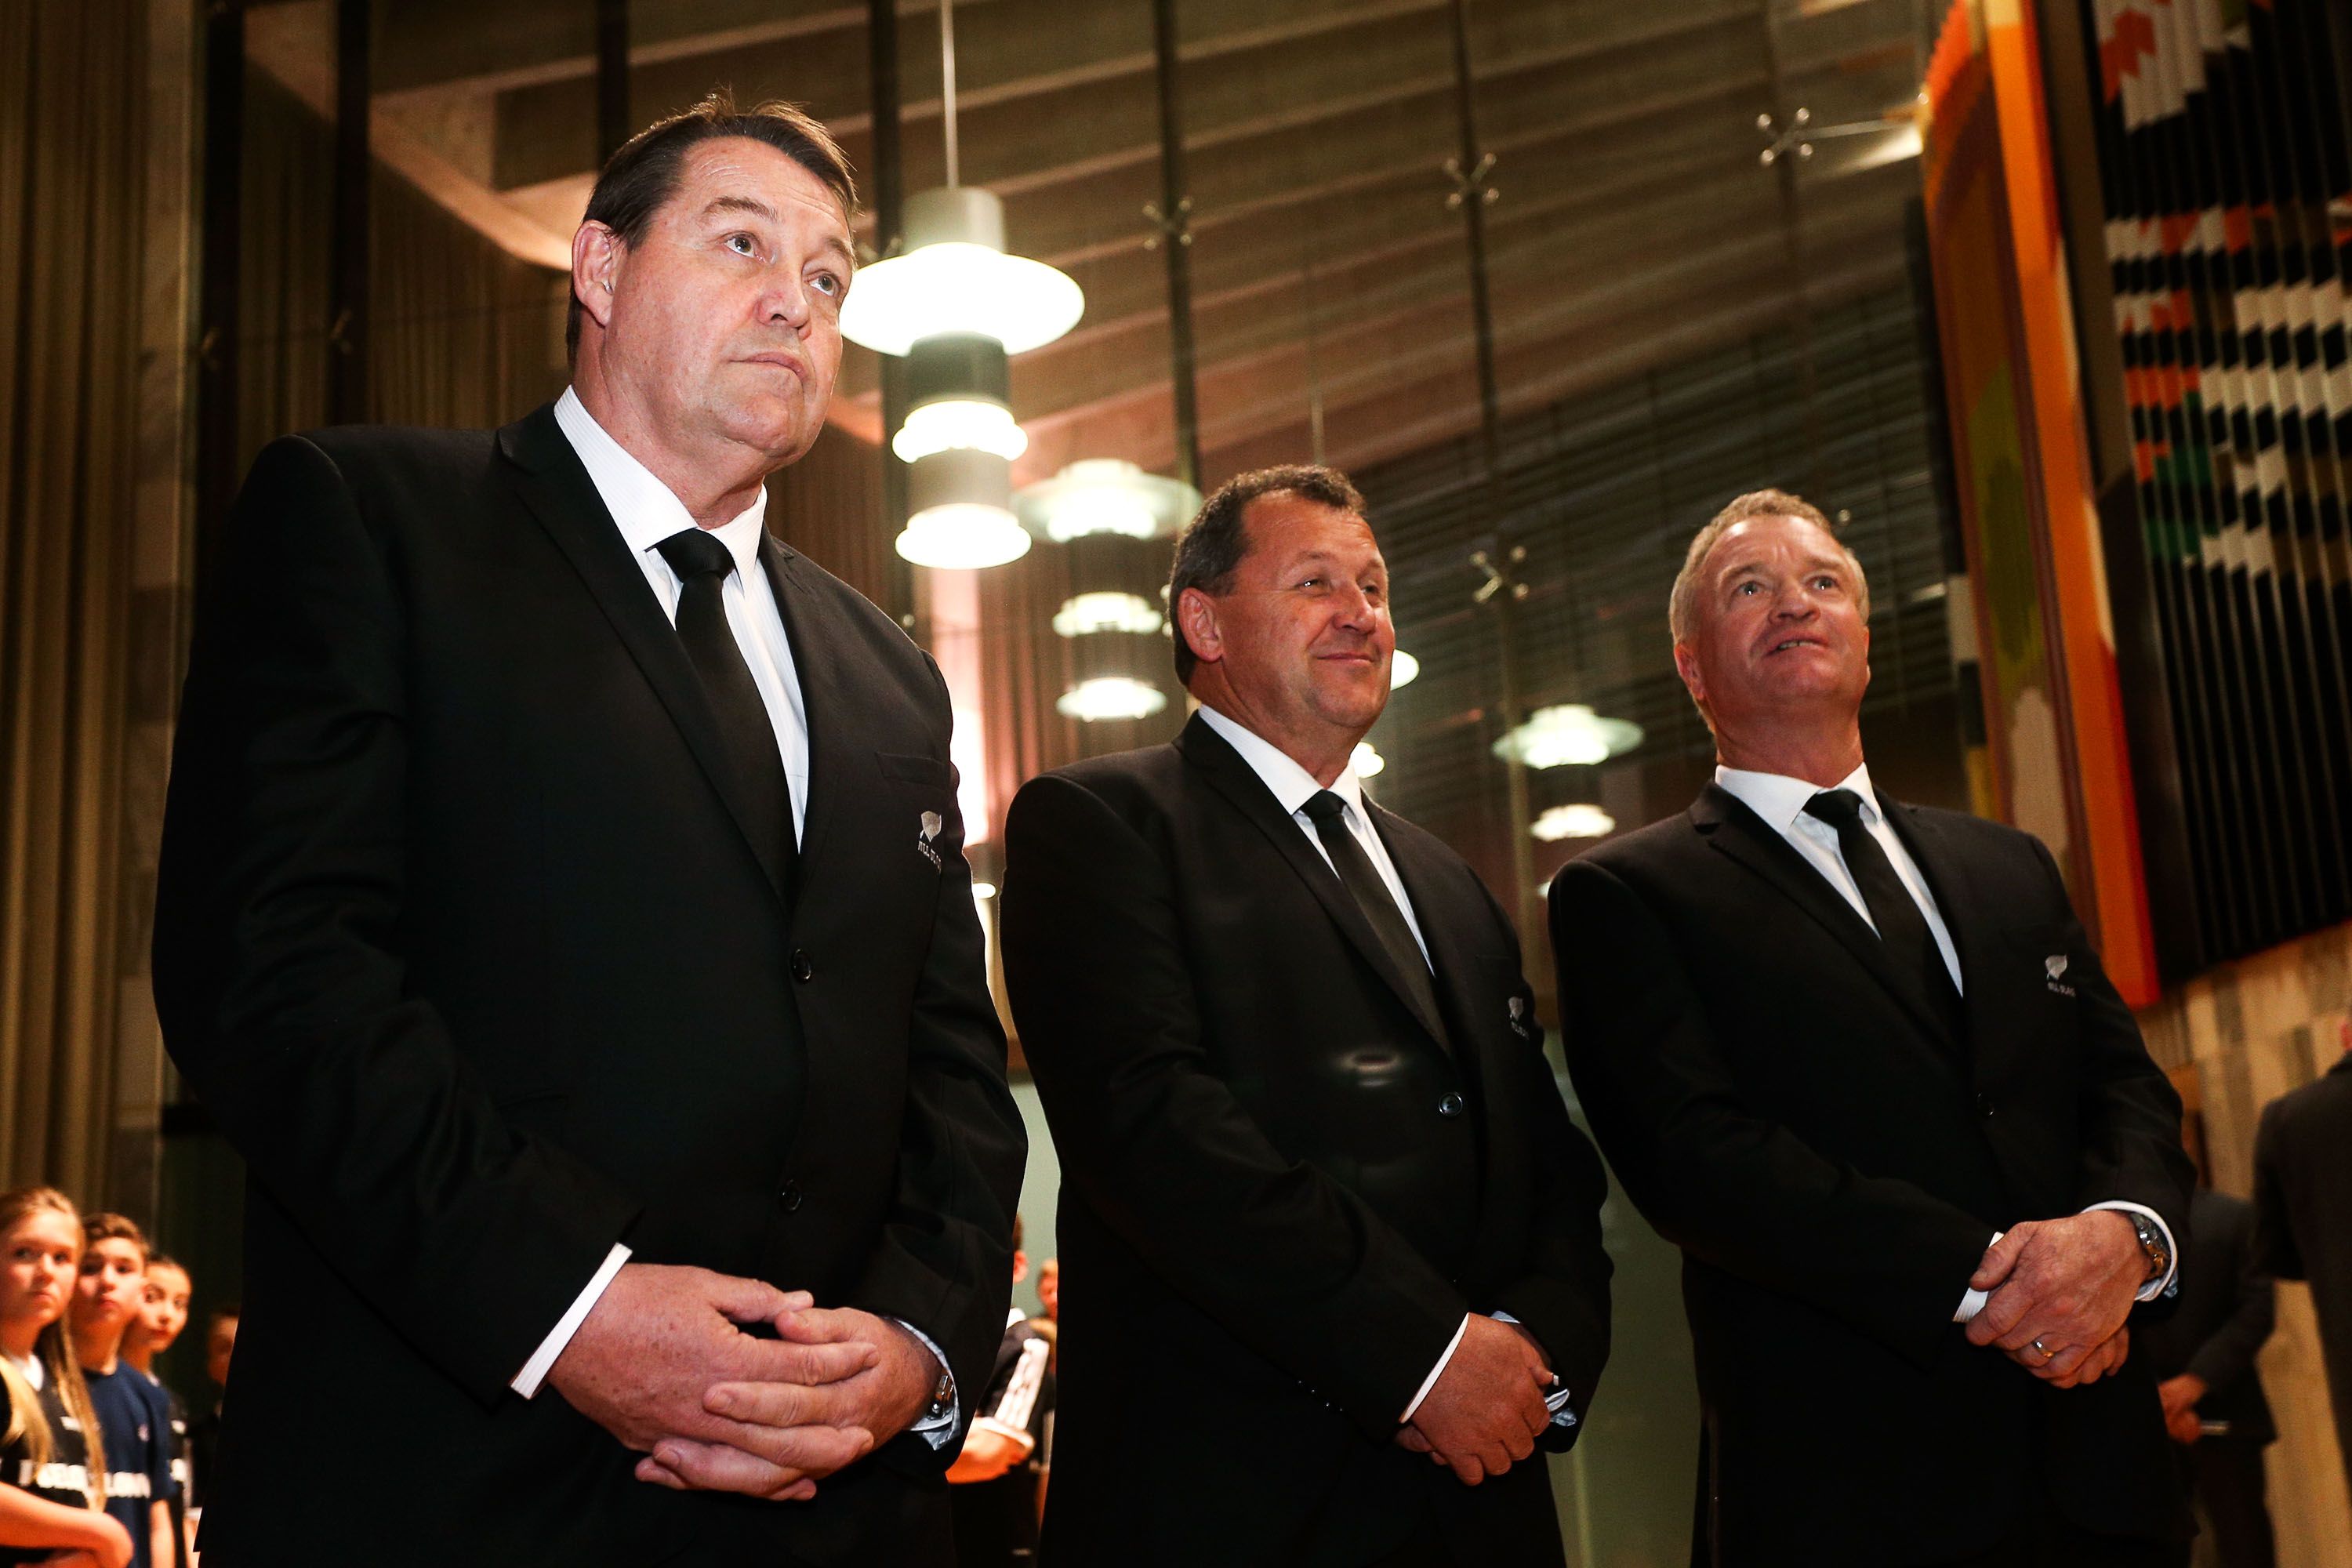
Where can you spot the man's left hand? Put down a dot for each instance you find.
(883, 1400)
(2069, 1283)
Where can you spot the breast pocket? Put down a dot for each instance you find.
(908, 769)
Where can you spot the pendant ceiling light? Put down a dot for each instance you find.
(1366, 760)
(955, 276)
(1104, 495)
(1082, 614)
(956, 305)
(961, 515)
(1578, 821)
(1571, 735)
(1402, 667)
(1110, 697)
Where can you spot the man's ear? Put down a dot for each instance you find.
(1020, 1265)
(1693, 679)
(1196, 623)
(596, 253)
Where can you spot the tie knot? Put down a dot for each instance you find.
(693, 552)
(1324, 805)
(1841, 808)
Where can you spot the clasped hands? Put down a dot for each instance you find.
(661, 1362)
(1487, 1407)
(2067, 1283)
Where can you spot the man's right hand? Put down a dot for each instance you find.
(659, 1337)
(1487, 1408)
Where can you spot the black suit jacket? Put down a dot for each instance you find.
(2227, 1310)
(1281, 1191)
(460, 939)
(1788, 1108)
(2303, 1202)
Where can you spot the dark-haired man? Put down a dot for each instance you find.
(562, 910)
(1858, 1060)
(1337, 1244)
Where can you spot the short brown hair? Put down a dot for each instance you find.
(1216, 541)
(103, 1226)
(1682, 605)
(640, 179)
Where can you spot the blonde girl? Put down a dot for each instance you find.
(52, 1463)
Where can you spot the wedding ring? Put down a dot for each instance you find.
(2047, 1353)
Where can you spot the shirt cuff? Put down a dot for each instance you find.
(1436, 1372)
(2154, 1287)
(937, 1430)
(534, 1370)
(1973, 1301)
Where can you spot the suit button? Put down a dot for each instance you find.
(1451, 1104)
(803, 970)
(1984, 1105)
(790, 1198)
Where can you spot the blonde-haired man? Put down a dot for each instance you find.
(1858, 1060)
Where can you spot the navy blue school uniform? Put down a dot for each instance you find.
(137, 1425)
(64, 1479)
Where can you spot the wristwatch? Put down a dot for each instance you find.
(943, 1394)
(2152, 1243)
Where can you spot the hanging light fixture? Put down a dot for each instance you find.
(960, 516)
(1568, 734)
(955, 276)
(959, 393)
(956, 304)
(1366, 760)
(1082, 614)
(1402, 667)
(1110, 697)
(1104, 495)
(1578, 821)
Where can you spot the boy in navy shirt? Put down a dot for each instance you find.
(132, 1412)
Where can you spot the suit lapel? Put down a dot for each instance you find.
(558, 493)
(815, 647)
(1731, 827)
(1428, 888)
(1233, 778)
(1968, 919)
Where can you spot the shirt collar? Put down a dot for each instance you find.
(1292, 786)
(647, 511)
(1781, 800)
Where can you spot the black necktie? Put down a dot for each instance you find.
(1901, 925)
(1327, 810)
(702, 564)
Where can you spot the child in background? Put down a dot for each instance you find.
(52, 1484)
(132, 1414)
(163, 1313)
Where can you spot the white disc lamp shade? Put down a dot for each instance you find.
(1567, 735)
(1110, 697)
(976, 422)
(1085, 614)
(959, 393)
(1366, 760)
(1104, 495)
(954, 276)
(1578, 821)
(1402, 667)
(959, 519)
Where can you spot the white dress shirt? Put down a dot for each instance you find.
(1293, 786)
(1780, 801)
(646, 511)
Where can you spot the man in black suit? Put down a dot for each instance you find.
(562, 911)
(2203, 1355)
(1859, 1061)
(1334, 1246)
(2302, 1207)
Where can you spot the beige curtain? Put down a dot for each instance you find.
(71, 101)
